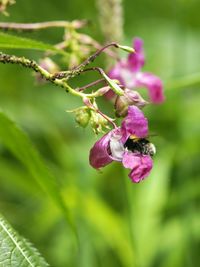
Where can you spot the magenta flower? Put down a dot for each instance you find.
(129, 74)
(126, 144)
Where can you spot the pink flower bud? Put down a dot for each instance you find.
(128, 99)
(49, 65)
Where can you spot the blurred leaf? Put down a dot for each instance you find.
(149, 200)
(15, 250)
(14, 42)
(104, 222)
(19, 144)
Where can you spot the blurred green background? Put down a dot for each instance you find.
(154, 223)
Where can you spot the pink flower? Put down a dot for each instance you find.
(129, 74)
(128, 145)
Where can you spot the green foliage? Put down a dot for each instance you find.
(9, 41)
(15, 250)
(19, 144)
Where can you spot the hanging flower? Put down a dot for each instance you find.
(126, 144)
(129, 74)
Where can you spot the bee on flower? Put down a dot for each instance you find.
(127, 144)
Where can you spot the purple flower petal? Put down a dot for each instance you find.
(115, 73)
(110, 94)
(140, 165)
(134, 124)
(128, 72)
(136, 60)
(99, 156)
(153, 84)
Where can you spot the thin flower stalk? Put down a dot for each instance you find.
(76, 24)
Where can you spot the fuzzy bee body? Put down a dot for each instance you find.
(141, 145)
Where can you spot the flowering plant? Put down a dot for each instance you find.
(128, 143)
(115, 146)
(128, 72)
(121, 83)
(88, 195)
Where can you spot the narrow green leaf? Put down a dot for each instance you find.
(9, 41)
(20, 145)
(15, 250)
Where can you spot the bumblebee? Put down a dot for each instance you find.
(141, 145)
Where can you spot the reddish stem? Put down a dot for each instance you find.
(80, 89)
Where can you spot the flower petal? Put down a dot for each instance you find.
(115, 73)
(153, 84)
(116, 146)
(130, 97)
(107, 149)
(140, 165)
(134, 124)
(99, 156)
(136, 60)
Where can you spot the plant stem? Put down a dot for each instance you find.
(25, 62)
(80, 89)
(5, 58)
(113, 85)
(110, 13)
(90, 105)
(76, 24)
(77, 70)
(107, 118)
(95, 55)
(88, 40)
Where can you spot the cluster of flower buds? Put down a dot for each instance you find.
(129, 142)
(89, 115)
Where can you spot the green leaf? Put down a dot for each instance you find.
(9, 41)
(20, 145)
(15, 250)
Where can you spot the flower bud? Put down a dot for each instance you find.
(49, 65)
(82, 116)
(128, 99)
(126, 48)
(4, 4)
(103, 90)
(97, 122)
